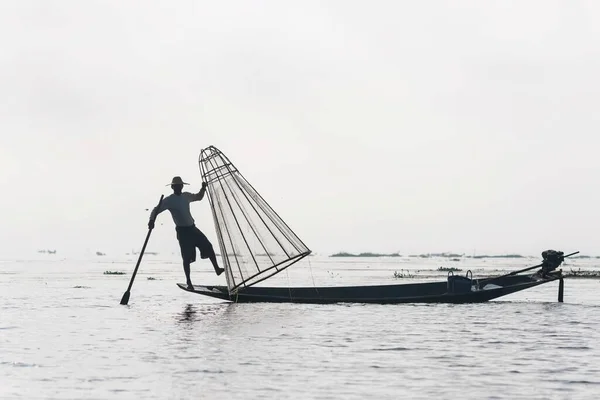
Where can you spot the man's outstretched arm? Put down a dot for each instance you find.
(200, 195)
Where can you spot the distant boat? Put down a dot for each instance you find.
(255, 244)
(47, 251)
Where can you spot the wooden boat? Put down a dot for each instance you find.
(430, 292)
(256, 244)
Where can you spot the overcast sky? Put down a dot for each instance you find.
(410, 126)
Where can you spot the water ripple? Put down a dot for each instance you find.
(171, 344)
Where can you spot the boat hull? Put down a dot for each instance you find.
(433, 292)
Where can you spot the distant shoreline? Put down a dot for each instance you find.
(428, 255)
(345, 254)
(369, 254)
(446, 255)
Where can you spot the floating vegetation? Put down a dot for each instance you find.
(499, 256)
(449, 269)
(429, 255)
(81, 287)
(582, 274)
(151, 278)
(343, 254)
(99, 253)
(367, 254)
(403, 273)
(114, 273)
(442, 255)
(151, 253)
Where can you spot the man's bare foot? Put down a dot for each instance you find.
(219, 271)
(190, 286)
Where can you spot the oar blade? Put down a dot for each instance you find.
(125, 298)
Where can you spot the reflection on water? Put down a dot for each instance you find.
(188, 315)
(193, 314)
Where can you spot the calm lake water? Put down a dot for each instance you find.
(63, 335)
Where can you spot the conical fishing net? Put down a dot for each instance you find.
(255, 242)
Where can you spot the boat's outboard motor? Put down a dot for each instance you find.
(459, 284)
(552, 260)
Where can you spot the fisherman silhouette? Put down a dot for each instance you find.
(188, 235)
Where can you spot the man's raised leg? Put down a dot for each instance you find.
(213, 260)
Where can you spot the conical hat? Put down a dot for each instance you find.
(177, 181)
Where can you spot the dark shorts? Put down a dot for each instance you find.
(189, 238)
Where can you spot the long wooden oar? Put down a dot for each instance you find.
(125, 298)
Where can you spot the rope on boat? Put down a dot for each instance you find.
(312, 277)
